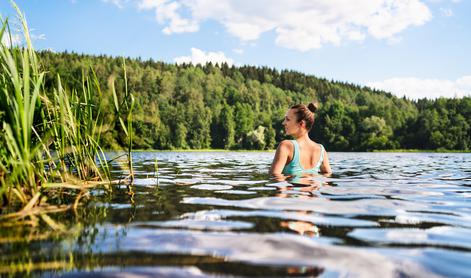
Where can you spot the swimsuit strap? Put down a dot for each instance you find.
(321, 158)
(296, 152)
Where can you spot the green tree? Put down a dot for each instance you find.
(375, 134)
(255, 139)
(187, 106)
(227, 132)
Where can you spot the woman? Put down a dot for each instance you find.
(302, 155)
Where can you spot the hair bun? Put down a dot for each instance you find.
(312, 107)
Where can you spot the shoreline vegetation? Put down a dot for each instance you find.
(422, 151)
(50, 151)
(272, 150)
(226, 107)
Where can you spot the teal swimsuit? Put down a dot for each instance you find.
(294, 167)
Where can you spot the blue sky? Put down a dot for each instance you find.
(417, 48)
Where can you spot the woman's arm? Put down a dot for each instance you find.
(325, 167)
(281, 158)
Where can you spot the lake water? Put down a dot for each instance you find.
(199, 214)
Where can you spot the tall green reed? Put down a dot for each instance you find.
(48, 140)
(75, 123)
(123, 109)
(21, 83)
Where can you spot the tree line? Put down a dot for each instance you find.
(227, 107)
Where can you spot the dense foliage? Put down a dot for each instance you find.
(195, 107)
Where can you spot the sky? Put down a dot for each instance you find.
(412, 48)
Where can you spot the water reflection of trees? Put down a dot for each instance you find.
(40, 249)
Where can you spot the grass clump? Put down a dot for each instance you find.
(49, 140)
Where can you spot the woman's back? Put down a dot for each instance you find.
(310, 154)
(306, 157)
(301, 155)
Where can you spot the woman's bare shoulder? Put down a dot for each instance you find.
(286, 144)
(319, 146)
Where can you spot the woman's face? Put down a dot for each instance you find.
(290, 123)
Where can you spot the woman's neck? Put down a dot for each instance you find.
(303, 136)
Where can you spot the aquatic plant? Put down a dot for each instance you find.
(22, 165)
(49, 139)
(123, 109)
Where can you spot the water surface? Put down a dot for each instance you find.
(198, 214)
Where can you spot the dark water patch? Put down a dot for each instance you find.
(152, 265)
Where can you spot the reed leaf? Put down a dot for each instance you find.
(125, 108)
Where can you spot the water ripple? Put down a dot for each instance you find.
(354, 207)
(271, 249)
(436, 236)
(194, 214)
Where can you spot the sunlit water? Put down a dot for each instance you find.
(219, 214)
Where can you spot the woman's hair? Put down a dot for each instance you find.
(306, 113)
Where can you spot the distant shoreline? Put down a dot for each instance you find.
(373, 151)
(422, 151)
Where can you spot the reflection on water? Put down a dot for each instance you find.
(219, 214)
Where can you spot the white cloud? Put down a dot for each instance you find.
(444, 1)
(17, 39)
(239, 51)
(167, 12)
(415, 88)
(198, 56)
(298, 24)
(38, 37)
(446, 12)
(394, 40)
(14, 40)
(14, 35)
(118, 3)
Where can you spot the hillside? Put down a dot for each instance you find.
(197, 107)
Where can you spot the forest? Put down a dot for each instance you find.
(228, 107)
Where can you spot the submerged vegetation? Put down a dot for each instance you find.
(50, 151)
